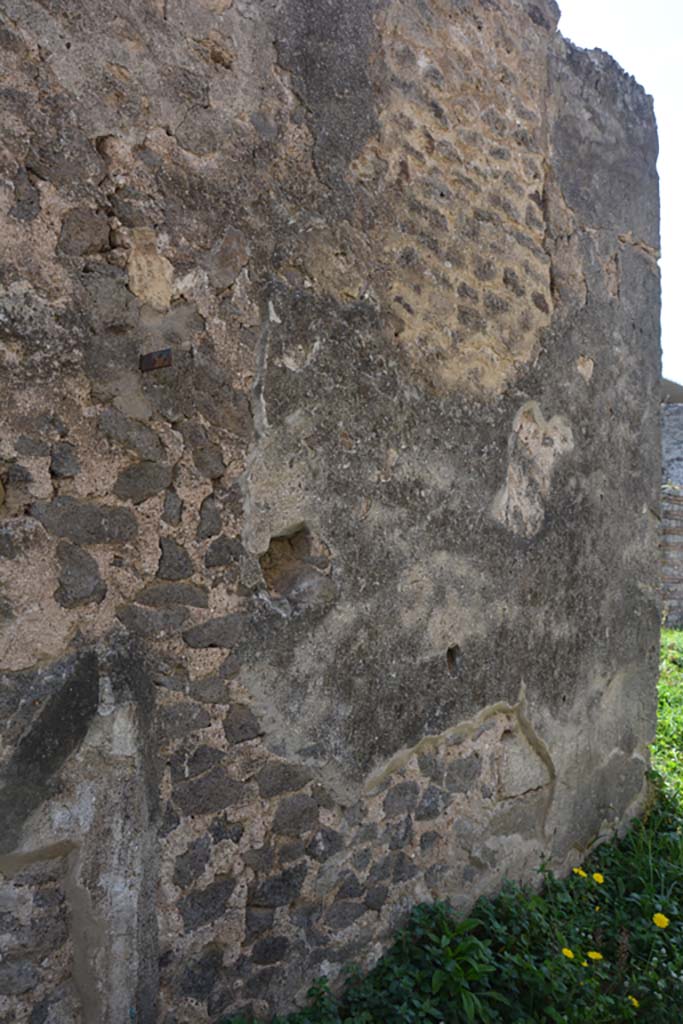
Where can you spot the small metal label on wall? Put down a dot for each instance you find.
(156, 360)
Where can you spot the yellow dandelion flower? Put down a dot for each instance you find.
(580, 872)
(568, 953)
(584, 963)
(597, 877)
(592, 954)
(661, 920)
(597, 908)
(634, 1001)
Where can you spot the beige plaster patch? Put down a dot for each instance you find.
(534, 446)
(150, 275)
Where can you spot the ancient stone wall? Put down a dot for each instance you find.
(672, 514)
(329, 459)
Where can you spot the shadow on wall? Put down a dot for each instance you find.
(672, 503)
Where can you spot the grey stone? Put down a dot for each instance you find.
(179, 719)
(85, 522)
(430, 765)
(227, 259)
(210, 518)
(281, 777)
(428, 840)
(8, 548)
(132, 435)
(240, 724)
(381, 871)
(222, 632)
(361, 859)
(230, 667)
(463, 772)
(350, 888)
(18, 474)
(17, 977)
(33, 447)
(187, 766)
(163, 595)
(223, 551)
(207, 455)
(296, 814)
(261, 982)
(403, 868)
(27, 203)
(173, 509)
(203, 906)
(324, 844)
(64, 462)
(190, 865)
(171, 676)
(174, 563)
(201, 975)
(324, 798)
(83, 231)
(142, 480)
(261, 859)
(208, 793)
(211, 690)
(435, 875)
(397, 866)
(399, 834)
(6, 609)
(343, 914)
(290, 851)
(79, 577)
(169, 822)
(310, 589)
(376, 897)
(256, 921)
(281, 889)
(198, 133)
(39, 1013)
(401, 798)
(151, 622)
(270, 950)
(433, 803)
(222, 829)
(47, 718)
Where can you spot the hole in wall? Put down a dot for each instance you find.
(454, 660)
(298, 568)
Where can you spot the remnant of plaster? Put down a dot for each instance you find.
(520, 769)
(585, 366)
(150, 275)
(534, 446)
(612, 275)
(542, 773)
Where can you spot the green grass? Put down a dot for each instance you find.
(525, 957)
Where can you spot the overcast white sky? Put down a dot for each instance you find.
(646, 38)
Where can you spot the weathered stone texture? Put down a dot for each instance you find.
(672, 513)
(355, 602)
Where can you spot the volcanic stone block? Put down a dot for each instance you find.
(79, 577)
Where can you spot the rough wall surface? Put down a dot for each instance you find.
(355, 603)
(672, 514)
